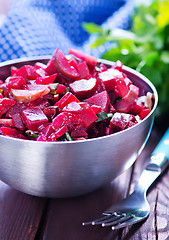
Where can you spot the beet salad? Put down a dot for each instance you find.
(71, 98)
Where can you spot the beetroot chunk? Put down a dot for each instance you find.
(51, 68)
(109, 78)
(63, 66)
(84, 57)
(15, 82)
(100, 99)
(84, 88)
(18, 123)
(82, 111)
(66, 99)
(83, 70)
(87, 115)
(28, 72)
(5, 105)
(119, 122)
(132, 94)
(33, 117)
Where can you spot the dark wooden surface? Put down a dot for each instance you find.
(27, 217)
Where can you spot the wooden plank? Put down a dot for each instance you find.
(157, 224)
(65, 216)
(20, 214)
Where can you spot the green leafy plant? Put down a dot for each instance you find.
(145, 47)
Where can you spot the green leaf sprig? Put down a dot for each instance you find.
(144, 48)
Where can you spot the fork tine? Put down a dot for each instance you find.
(114, 217)
(109, 218)
(122, 219)
(102, 217)
(127, 223)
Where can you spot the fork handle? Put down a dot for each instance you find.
(159, 160)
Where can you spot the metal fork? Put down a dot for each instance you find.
(135, 207)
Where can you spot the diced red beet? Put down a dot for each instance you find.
(84, 57)
(136, 108)
(132, 94)
(144, 113)
(118, 65)
(122, 106)
(46, 79)
(74, 120)
(100, 86)
(59, 121)
(113, 96)
(84, 88)
(87, 115)
(49, 112)
(110, 78)
(127, 81)
(101, 127)
(51, 68)
(13, 70)
(7, 92)
(73, 107)
(83, 70)
(63, 66)
(33, 117)
(17, 108)
(78, 133)
(96, 108)
(55, 98)
(60, 132)
(7, 122)
(111, 108)
(31, 94)
(16, 82)
(39, 65)
(100, 99)
(41, 72)
(48, 130)
(130, 124)
(119, 122)
(5, 105)
(12, 132)
(102, 68)
(41, 138)
(17, 120)
(73, 62)
(27, 71)
(41, 102)
(60, 89)
(121, 87)
(66, 99)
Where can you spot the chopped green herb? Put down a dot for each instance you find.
(32, 134)
(53, 88)
(65, 137)
(101, 116)
(68, 137)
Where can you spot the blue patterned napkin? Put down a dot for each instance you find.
(38, 27)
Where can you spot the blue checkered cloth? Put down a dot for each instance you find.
(38, 27)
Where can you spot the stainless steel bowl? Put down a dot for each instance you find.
(67, 169)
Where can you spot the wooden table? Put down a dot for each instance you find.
(27, 217)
